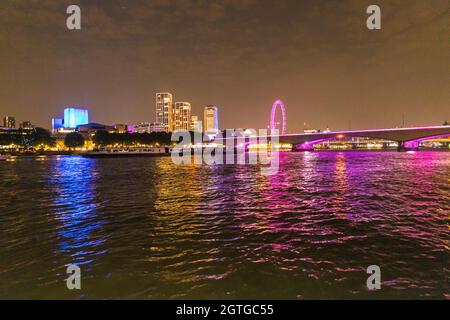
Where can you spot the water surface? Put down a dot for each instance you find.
(144, 228)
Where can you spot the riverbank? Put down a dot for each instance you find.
(45, 153)
(80, 153)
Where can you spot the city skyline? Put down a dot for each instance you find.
(190, 121)
(237, 54)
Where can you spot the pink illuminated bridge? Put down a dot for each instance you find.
(407, 138)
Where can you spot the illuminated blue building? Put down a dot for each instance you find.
(74, 117)
(57, 124)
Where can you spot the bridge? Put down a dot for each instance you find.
(406, 138)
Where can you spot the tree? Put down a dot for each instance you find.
(102, 138)
(446, 123)
(41, 136)
(73, 140)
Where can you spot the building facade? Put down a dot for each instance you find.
(143, 127)
(147, 127)
(57, 124)
(157, 127)
(196, 124)
(164, 101)
(27, 125)
(89, 129)
(9, 122)
(181, 114)
(211, 119)
(74, 117)
(121, 128)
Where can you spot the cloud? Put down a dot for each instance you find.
(229, 46)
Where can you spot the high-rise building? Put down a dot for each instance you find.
(74, 117)
(196, 124)
(181, 115)
(164, 102)
(9, 122)
(211, 119)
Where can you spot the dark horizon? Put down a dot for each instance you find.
(241, 55)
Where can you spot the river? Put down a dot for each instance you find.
(144, 228)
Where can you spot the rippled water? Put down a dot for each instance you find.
(147, 229)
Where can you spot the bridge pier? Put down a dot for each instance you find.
(408, 146)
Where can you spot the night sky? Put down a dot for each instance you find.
(318, 56)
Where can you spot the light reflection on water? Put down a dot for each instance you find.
(145, 228)
(74, 206)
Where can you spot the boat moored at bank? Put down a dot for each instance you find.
(128, 152)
